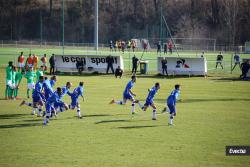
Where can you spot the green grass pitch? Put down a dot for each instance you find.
(214, 113)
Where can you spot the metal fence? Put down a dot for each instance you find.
(182, 44)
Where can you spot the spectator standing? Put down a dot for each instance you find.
(134, 64)
(219, 60)
(29, 62)
(165, 48)
(35, 62)
(52, 64)
(236, 60)
(170, 46)
(159, 47)
(44, 62)
(164, 66)
(245, 66)
(110, 62)
(20, 62)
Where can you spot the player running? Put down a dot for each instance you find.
(150, 100)
(37, 97)
(61, 106)
(171, 102)
(128, 95)
(74, 99)
(52, 100)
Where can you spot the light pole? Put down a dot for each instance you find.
(96, 25)
(63, 27)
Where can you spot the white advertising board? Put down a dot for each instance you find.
(93, 63)
(183, 65)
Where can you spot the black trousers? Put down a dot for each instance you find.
(52, 70)
(134, 69)
(110, 66)
(165, 69)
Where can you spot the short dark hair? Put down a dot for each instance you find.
(10, 63)
(157, 84)
(58, 89)
(41, 77)
(45, 78)
(81, 83)
(177, 86)
(53, 77)
(133, 77)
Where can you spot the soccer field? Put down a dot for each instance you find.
(213, 113)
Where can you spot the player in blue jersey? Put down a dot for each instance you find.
(150, 100)
(171, 102)
(38, 98)
(53, 80)
(128, 95)
(74, 99)
(61, 106)
(47, 88)
(51, 101)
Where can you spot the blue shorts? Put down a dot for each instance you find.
(128, 96)
(36, 98)
(172, 109)
(148, 102)
(59, 104)
(74, 102)
(48, 107)
(47, 95)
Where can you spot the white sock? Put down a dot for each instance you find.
(171, 119)
(79, 112)
(33, 111)
(119, 102)
(39, 110)
(154, 114)
(133, 108)
(140, 105)
(28, 104)
(46, 118)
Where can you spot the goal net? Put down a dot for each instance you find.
(247, 47)
(186, 44)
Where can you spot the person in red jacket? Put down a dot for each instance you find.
(170, 46)
(20, 62)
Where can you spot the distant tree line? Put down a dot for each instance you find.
(225, 20)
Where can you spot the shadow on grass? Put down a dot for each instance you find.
(205, 100)
(110, 121)
(139, 126)
(32, 120)
(230, 79)
(97, 115)
(11, 116)
(159, 76)
(19, 125)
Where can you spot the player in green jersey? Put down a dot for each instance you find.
(39, 73)
(30, 76)
(8, 71)
(18, 78)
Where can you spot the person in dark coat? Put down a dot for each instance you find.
(245, 68)
(52, 64)
(134, 64)
(118, 72)
(110, 62)
(164, 66)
